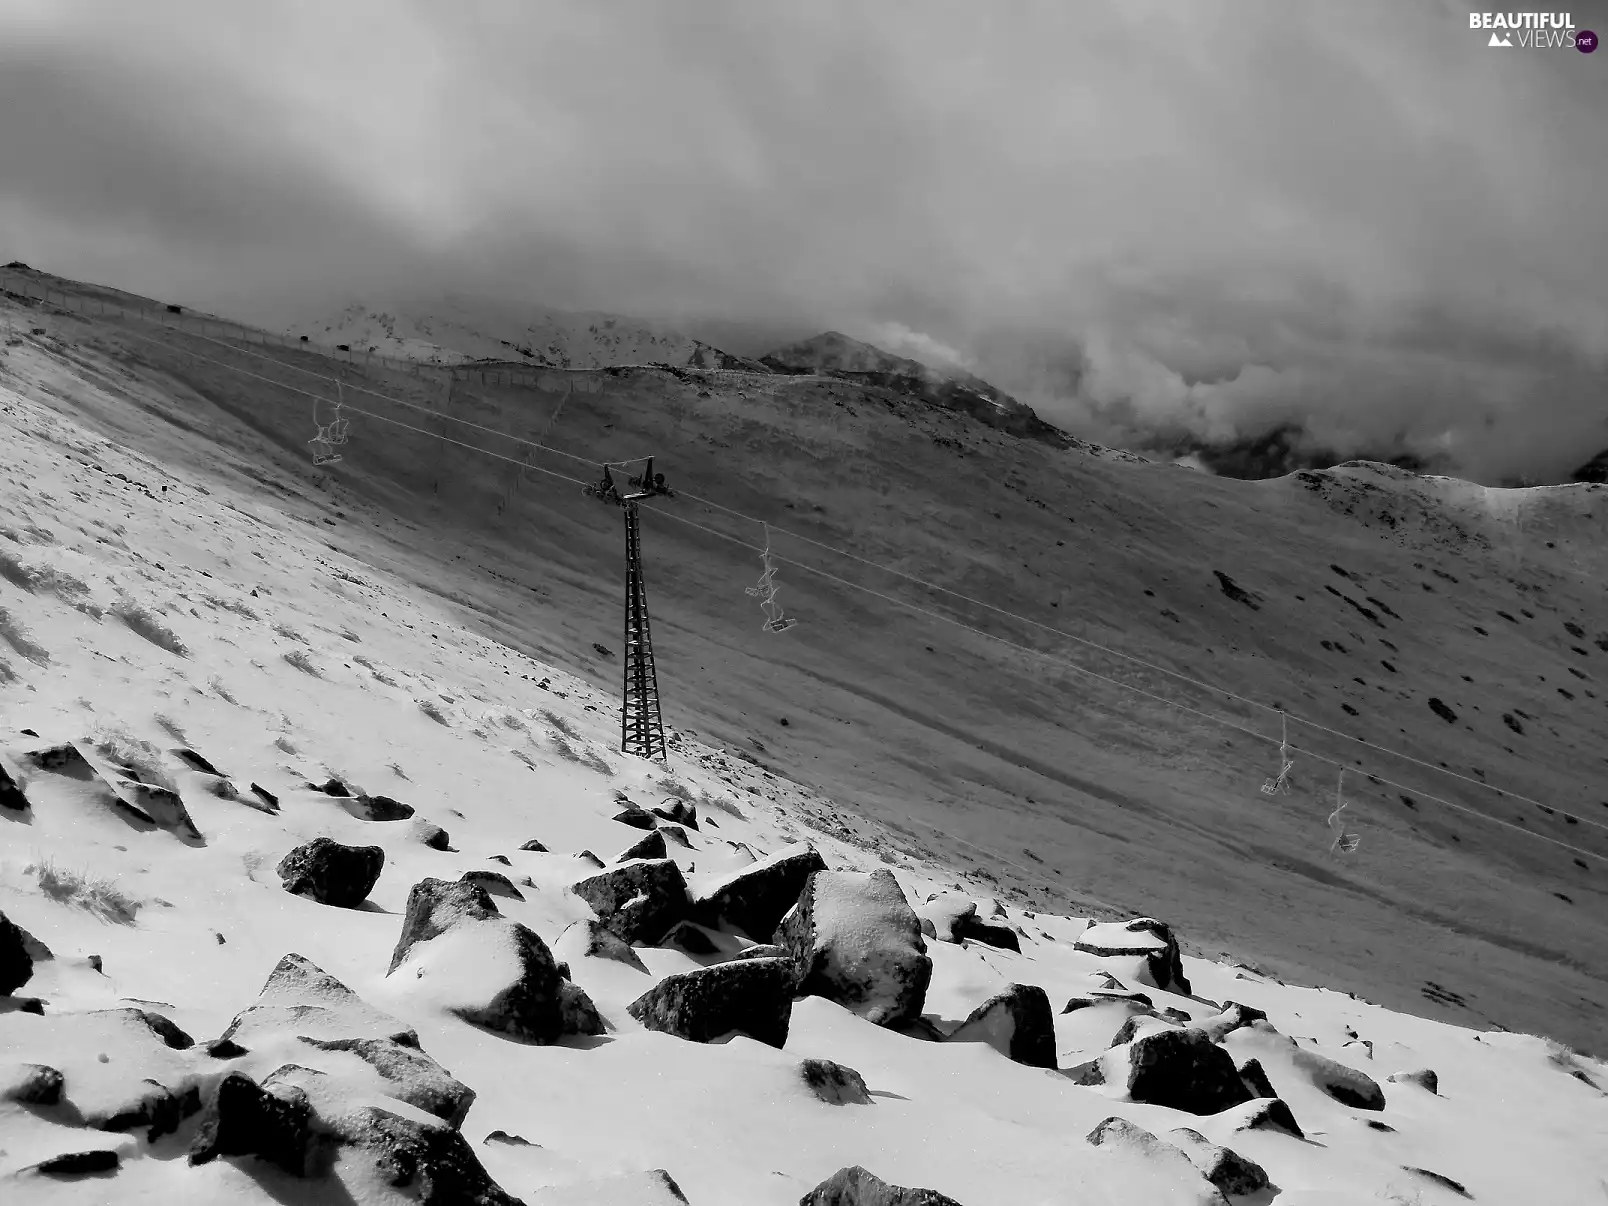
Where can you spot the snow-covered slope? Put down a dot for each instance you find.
(453, 330)
(143, 611)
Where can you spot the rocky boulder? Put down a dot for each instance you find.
(636, 817)
(1017, 1023)
(331, 873)
(753, 996)
(989, 933)
(945, 913)
(16, 964)
(11, 795)
(652, 1188)
(1424, 1078)
(834, 1083)
(30, 1084)
(428, 1163)
(377, 808)
(1146, 937)
(677, 811)
(302, 999)
(854, 939)
(148, 1083)
(1167, 1159)
(1263, 1114)
(1255, 1079)
(408, 1074)
(458, 950)
(857, 1187)
(754, 899)
(1341, 1082)
(428, 833)
(762, 950)
(1180, 1069)
(592, 939)
(639, 901)
(692, 939)
(650, 845)
(494, 882)
(242, 1119)
(1234, 1016)
(580, 1016)
(1225, 1168)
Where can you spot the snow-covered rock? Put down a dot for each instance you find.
(755, 898)
(303, 999)
(640, 900)
(945, 913)
(752, 996)
(854, 939)
(1017, 1023)
(1167, 1167)
(1223, 1167)
(494, 882)
(1424, 1078)
(855, 1186)
(1146, 937)
(1178, 1068)
(459, 953)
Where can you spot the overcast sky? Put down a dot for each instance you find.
(1142, 217)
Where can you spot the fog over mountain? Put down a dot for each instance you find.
(1263, 233)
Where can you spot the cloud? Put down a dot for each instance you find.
(1161, 221)
(899, 339)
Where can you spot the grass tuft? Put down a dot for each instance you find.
(15, 634)
(96, 894)
(299, 659)
(140, 620)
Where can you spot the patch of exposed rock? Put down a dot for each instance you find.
(650, 845)
(834, 1083)
(330, 873)
(593, 939)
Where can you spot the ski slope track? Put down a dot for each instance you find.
(213, 654)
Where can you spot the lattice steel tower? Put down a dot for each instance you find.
(641, 726)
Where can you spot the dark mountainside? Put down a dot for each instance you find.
(834, 355)
(1275, 453)
(1462, 626)
(1594, 470)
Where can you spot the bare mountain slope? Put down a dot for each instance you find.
(1461, 625)
(455, 330)
(836, 355)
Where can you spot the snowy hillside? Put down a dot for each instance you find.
(324, 898)
(454, 330)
